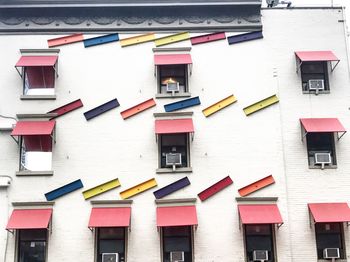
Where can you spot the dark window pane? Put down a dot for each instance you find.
(259, 237)
(320, 143)
(38, 77)
(111, 240)
(177, 239)
(329, 235)
(176, 143)
(171, 74)
(32, 245)
(314, 70)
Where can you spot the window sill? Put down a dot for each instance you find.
(177, 170)
(169, 95)
(38, 97)
(325, 260)
(319, 93)
(34, 173)
(326, 167)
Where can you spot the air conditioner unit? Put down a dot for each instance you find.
(316, 85)
(173, 159)
(260, 255)
(173, 87)
(110, 257)
(323, 158)
(177, 256)
(331, 253)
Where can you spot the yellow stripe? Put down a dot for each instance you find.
(260, 105)
(138, 188)
(101, 188)
(219, 105)
(172, 39)
(137, 39)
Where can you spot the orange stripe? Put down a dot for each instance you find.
(138, 108)
(266, 181)
(65, 40)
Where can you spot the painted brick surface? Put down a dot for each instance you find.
(268, 142)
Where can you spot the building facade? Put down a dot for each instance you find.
(144, 136)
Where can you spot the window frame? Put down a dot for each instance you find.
(22, 171)
(162, 245)
(97, 239)
(25, 73)
(273, 241)
(310, 152)
(342, 250)
(18, 242)
(186, 168)
(185, 93)
(325, 76)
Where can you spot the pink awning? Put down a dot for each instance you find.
(315, 56)
(329, 212)
(176, 216)
(29, 219)
(110, 217)
(37, 61)
(260, 214)
(30, 128)
(176, 59)
(318, 125)
(173, 126)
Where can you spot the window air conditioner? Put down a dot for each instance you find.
(172, 87)
(173, 159)
(110, 257)
(260, 255)
(316, 85)
(331, 253)
(323, 158)
(177, 256)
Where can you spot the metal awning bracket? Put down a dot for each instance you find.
(18, 71)
(17, 141)
(279, 225)
(333, 67)
(340, 135)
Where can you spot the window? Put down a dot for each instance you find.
(329, 235)
(177, 242)
(111, 242)
(38, 72)
(320, 143)
(173, 137)
(259, 237)
(36, 153)
(314, 67)
(36, 139)
(39, 80)
(174, 144)
(311, 71)
(172, 74)
(172, 71)
(320, 140)
(32, 245)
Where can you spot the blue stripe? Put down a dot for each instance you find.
(61, 191)
(172, 187)
(182, 104)
(101, 109)
(101, 40)
(244, 37)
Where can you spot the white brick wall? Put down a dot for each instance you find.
(227, 143)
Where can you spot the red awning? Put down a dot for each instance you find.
(309, 56)
(110, 217)
(29, 219)
(177, 216)
(330, 212)
(37, 61)
(318, 125)
(260, 214)
(177, 59)
(30, 128)
(173, 126)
